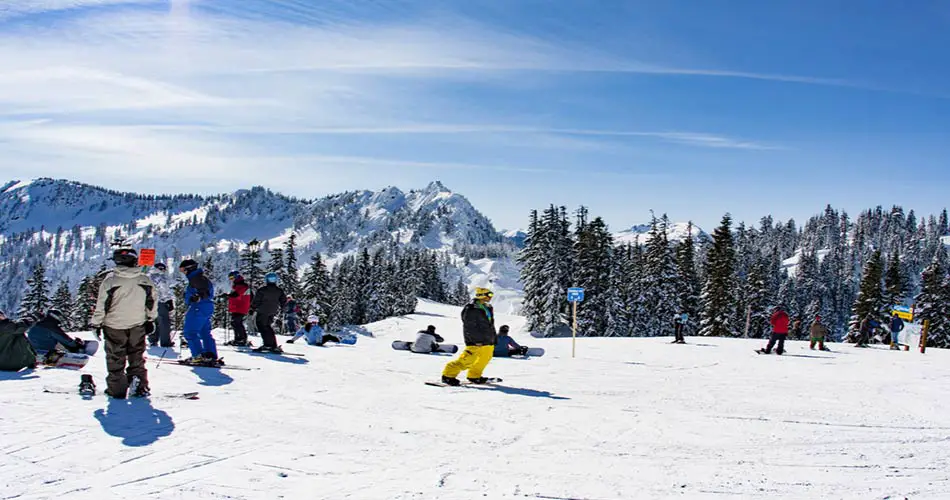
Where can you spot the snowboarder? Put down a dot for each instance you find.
(818, 333)
(478, 326)
(291, 312)
(166, 304)
(679, 325)
(47, 334)
(16, 352)
(314, 334)
(427, 341)
(897, 325)
(125, 313)
(268, 302)
(239, 303)
(506, 346)
(779, 321)
(867, 327)
(197, 328)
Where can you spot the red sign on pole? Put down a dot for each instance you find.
(147, 257)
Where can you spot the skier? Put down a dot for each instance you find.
(818, 332)
(47, 334)
(125, 313)
(291, 312)
(679, 324)
(268, 302)
(16, 352)
(478, 325)
(166, 304)
(506, 346)
(314, 334)
(239, 303)
(427, 341)
(197, 328)
(897, 325)
(779, 321)
(868, 324)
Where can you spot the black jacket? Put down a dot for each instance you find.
(15, 350)
(477, 325)
(269, 300)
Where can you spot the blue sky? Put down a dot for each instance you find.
(691, 108)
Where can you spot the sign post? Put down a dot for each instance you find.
(147, 257)
(574, 295)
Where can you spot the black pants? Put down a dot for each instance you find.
(265, 326)
(329, 338)
(237, 323)
(776, 337)
(163, 327)
(679, 333)
(125, 358)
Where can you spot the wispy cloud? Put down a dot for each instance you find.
(15, 8)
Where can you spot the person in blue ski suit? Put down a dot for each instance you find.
(506, 346)
(314, 334)
(199, 296)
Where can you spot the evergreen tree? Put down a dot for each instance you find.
(870, 299)
(251, 265)
(660, 280)
(557, 273)
(933, 304)
(626, 307)
(719, 289)
(895, 284)
(593, 265)
(276, 264)
(688, 287)
(532, 266)
(63, 300)
(291, 276)
(36, 300)
(316, 289)
(460, 295)
(85, 303)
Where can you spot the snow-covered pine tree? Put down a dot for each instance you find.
(63, 300)
(557, 273)
(531, 260)
(895, 282)
(409, 284)
(594, 254)
(276, 264)
(460, 294)
(291, 280)
(252, 265)
(626, 305)
(85, 303)
(932, 304)
(178, 290)
(809, 294)
(687, 282)
(316, 289)
(660, 281)
(36, 300)
(870, 299)
(719, 289)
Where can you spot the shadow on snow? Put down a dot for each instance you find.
(135, 421)
(517, 391)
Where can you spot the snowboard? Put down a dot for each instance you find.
(68, 360)
(491, 380)
(401, 345)
(184, 395)
(534, 352)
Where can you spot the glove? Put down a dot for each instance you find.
(233, 295)
(149, 327)
(194, 298)
(291, 341)
(170, 305)
(80, 342)
(99, 332)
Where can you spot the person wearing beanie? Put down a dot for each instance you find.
(199, 297)
(314, 334)
(427, 341)
(125, 314)
(505, 346)
(478, 326)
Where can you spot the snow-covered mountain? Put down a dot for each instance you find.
(70, 226)
(677, 231)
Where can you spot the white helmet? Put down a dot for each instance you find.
(313, 319)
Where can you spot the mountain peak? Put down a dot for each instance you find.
(437, 187)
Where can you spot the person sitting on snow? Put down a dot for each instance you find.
(427, 341)
(506, 346)
(314, 334)
(48, 333)
(16, 352)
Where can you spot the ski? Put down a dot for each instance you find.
(282, 353)
(464, 383)
(184, 395)
(219, 367)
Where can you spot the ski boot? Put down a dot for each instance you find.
(270, 350)
(211, 360)
(86, 386)
(52, 357)
(137, 389)
(450, 381)
(478, 380)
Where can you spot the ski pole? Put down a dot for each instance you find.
(161, 358)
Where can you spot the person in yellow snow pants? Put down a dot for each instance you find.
(473, 358)
(478, 324)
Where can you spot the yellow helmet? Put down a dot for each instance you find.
(483, 294)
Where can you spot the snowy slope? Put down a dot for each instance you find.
(628, 418)
(678, 231)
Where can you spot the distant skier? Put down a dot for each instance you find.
(197, 328)
(427, 341)
(506, 346)
(268, 302)
(16, 352)
(865, 329)
(478, 325)
(162, 335)
(239, 304)
(314, 334)
(779, 321)
(896, 326)
(679, 325)
(47, 334)
(818, 333)
(291, 313)
(125, 313)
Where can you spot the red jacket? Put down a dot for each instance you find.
(239, 300)
(779, 321)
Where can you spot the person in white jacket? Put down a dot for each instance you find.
(427, 341)
(125, 313)
(166, 304)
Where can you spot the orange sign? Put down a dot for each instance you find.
(147, 257)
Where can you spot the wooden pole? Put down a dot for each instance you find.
(923, 336)
(574, 331)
